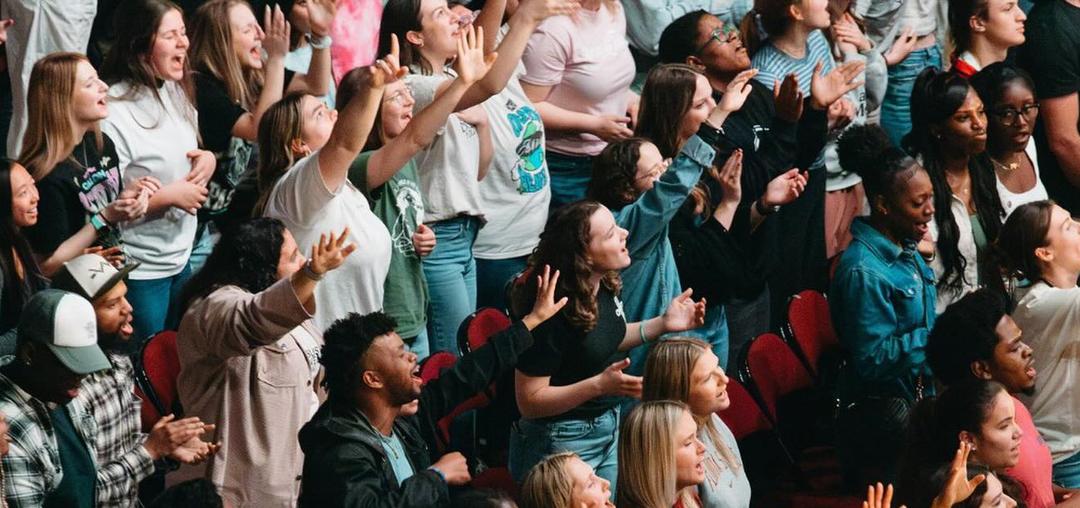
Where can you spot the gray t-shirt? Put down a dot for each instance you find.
(448, 167)
(725, 485)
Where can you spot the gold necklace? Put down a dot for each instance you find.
(1006, 168)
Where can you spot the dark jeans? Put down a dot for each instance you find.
(570, 177)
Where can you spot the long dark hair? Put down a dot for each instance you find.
(613, 174)
(13, 245)
(960, 13)
(563, 246)
(136, 25)
(768, 18)
(934, 99)
(1025, 230)
(991, 83)
(667, 95)
(247, 259)
(400, 17)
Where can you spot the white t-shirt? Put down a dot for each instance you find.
(152, 139)
(516, 191)
(308, 208)
(1011, 201)
(1050, 320)
(448, 167)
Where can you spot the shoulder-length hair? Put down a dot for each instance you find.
(279, 128)
(247, 259)
(647, 456)
(50, 136)
(564, 247)
(669, 375)
(667, 95)
(548, 484)
(212, 51)
(136, 26)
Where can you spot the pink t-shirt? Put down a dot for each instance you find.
(356, 35)
(1035, 468)
(587, 62)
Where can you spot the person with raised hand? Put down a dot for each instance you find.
(573, 377)
(305, 153)
(153, 123)
(369, 444)
(386, 173)
(249, 355)
(878, 496)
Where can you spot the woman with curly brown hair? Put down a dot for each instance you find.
(570, 382)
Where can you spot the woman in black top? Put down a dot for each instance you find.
(75, 165)
(20, 276)
(570, 382)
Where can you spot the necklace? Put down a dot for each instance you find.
(1006, 168)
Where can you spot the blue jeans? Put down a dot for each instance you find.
(896, 107)
(420, 345)
(570, 176)
(451, 277)
(595, 440)
(155, 305)
(1067, 472)
(205, 241)
(491, 278)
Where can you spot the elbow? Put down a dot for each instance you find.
(1065, 145)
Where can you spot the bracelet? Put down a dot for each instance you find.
(99, 222)
(764, 210)
(309, 273)
(319, 42)
(641, 330)
(440, 473)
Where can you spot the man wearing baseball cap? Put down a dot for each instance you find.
(125, 455)
(50, 462)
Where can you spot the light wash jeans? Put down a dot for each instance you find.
(896, 107)
(420, 345)
(595, 440)
(451, 277)
(1067, 472)
(570, 176)
(155, 305)
(492, 275)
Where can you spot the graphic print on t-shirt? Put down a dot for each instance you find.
(99, 185)
(232, 165)
(526, 124)
(410, 208)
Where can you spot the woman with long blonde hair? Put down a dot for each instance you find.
(661, 458)
(686, 369)
(563, 480)
(75, 166)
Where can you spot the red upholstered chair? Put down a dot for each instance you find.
(156, 371)
(810, 331)
(743, 416)
(479, 327)
(771, 370)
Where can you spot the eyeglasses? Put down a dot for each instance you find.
(721, 34)
(400, 98)
(655, 171)
(1009, 116)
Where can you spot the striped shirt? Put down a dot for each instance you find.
(773, 65)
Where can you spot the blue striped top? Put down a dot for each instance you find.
(773, 65)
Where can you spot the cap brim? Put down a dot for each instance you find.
(81, 360)
(115, 279)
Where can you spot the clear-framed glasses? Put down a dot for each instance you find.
(1009, 116)
(401, 97)
(722, 34)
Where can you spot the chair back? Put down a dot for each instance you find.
(157, 369)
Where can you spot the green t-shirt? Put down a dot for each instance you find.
(399, 204)
(76, 489)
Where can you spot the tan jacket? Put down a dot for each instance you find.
(248, 364)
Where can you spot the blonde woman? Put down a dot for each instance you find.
(661, 459)
(563, 480)
(74, 165)
(686, 370)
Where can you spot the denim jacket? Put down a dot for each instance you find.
(652, 279)
(883, 307)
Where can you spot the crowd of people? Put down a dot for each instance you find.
(315, 195)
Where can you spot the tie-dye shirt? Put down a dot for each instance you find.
(356, 35)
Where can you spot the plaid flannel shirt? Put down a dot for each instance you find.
(32, 465)
(122, 461)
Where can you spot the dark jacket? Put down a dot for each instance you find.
(344, 462)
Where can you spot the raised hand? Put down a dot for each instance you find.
(423, 240)
(826, 89)
(612, 128)
(545, 305)
(785, 188)
(387, 69)
(114, 255)
(788, 99)
(275, 33)
(878, 496)
(321, 16)
(730, 177)
(957, 486)
(472, 64)
(536, 11)
(736, 92)
(330, 252)
(684, 313)
(613, 381)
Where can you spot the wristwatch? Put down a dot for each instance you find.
(765, 210)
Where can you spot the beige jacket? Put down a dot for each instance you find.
(249, 364)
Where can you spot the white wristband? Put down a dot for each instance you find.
(322, 42)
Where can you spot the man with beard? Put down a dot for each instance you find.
(370, 442)
(976, 337)
(124, 454)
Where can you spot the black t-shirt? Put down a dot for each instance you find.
(1053, 28)
(568, 355)
(78, 187)
(235, 156)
